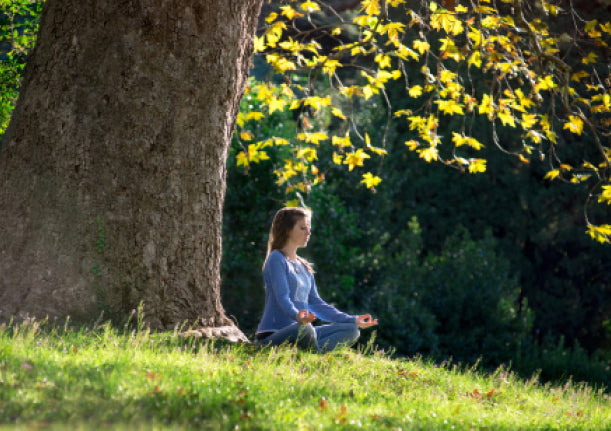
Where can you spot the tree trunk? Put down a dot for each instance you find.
(113, 166)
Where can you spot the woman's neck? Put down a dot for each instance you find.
(289, 252)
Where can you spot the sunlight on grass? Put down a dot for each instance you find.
(53, 375)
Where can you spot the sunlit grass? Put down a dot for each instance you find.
(51, 376)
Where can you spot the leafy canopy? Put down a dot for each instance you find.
(502, 63)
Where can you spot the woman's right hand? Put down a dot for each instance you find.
(304, 317)
(365, 321)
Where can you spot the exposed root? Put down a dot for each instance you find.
(229, 333)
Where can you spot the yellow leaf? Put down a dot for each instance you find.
(429, 154)
(460, 140)
(371, 7)
(280, 141)
(255, 115)
(421, 46)
(309, 6)
(312, 138)
(450, 107)
(600, 233)
(289, 12)
(446, 76)
(525, 102)
(475, 59)
(242, 159)
(476, 36)
(337, 158)
(528, 121)
(412, 145)
(254, 155)
(317, 102)
(507, 118)
(264, 144)
(295, 104)
(293, 203)
(403, 112)
(259, 44)
(307, 153)
(355, 159)
(552, 174)
(580, 178)
(414, 92)
(271, 17)
(393, 29)
(338, 113)
(477, 165)
(404, 52)
(246, 135)
(370, 180)
(383, 60)
(240, 120)
(275, 104)
(447, 22)
(368, 91)
(291, 45)
(590, 58)
(575, 124)
(487, 106)
(546, 82)
(605, 196)
(341, 142)
(590, 25)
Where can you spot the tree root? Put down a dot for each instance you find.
(228, 333)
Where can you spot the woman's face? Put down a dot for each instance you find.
(300, 233)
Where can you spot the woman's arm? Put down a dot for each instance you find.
(325, 311)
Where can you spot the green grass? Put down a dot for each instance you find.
(52, 377)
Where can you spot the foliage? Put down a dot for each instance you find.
(462, 303)
(18, 28)
(54, 376)
(553, 360)
(538, 83)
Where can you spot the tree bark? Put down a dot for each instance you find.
(113, 166)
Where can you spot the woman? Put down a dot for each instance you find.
(292, 302)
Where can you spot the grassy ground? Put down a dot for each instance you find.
(52, 377)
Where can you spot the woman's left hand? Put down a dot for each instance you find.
(365, 321)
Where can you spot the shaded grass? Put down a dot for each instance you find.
(104, 378)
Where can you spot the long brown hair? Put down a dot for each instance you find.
(284, 221)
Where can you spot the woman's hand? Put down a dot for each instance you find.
(304, 317)
(365, 321)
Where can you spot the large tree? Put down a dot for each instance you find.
(113, 165)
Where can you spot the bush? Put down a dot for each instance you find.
(462, 303)
(558, 363)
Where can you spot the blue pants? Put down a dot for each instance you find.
(322, 338)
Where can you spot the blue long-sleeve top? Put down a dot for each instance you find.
(290, 288)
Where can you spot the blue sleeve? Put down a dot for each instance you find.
(325, 311)
(277, 280)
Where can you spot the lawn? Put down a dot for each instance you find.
(57, 376)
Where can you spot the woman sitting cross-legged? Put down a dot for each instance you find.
(292, 302)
